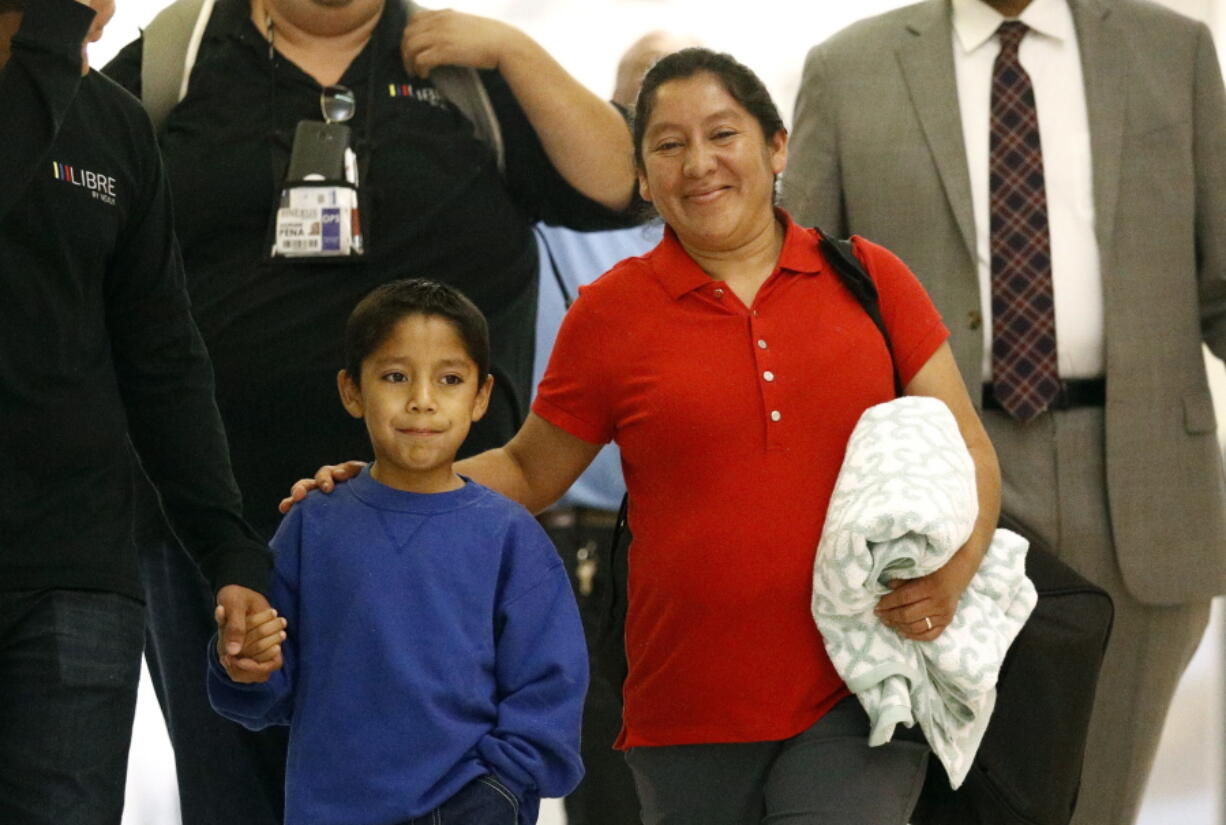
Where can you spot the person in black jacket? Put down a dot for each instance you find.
(98, 353)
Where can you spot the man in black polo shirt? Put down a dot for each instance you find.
(97, 344)
(434, 204)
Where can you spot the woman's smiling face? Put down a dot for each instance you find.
(707, 167)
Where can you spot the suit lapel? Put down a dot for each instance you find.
(927, 62)
(1105, 70)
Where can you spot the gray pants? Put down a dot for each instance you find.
(826, 775)
(1055, 485)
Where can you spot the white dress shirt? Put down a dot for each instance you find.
(1050, 55)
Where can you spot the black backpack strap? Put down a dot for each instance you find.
(608, 643)
(567, 298)
(841, 256)
(621, 534)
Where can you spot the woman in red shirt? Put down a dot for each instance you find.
(730, 365)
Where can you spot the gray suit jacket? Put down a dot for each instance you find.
(877, 150)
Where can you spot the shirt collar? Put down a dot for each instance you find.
(975, 22)
(679, 274)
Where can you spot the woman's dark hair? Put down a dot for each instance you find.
(12, 5)
(737, 79)
(376, 315)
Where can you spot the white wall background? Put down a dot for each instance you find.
(588, 36)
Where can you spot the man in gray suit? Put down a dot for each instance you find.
(917, 129)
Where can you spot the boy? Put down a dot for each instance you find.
(436, 666)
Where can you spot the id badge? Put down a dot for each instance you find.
(318, 221)
(317, 215)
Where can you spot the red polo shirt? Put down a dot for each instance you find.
(732, 423)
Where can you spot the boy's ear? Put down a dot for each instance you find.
(482, 402)
(351, 395)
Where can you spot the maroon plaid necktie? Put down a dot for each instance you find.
(1025, 378)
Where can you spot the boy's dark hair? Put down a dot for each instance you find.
(373, 319)
(12, 5)
(737, 79)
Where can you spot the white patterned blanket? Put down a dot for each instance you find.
(904, 502)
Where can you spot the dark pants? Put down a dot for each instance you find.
(69, 669)
(606, 795)
(226, 773)
(484, 801)
(1054, 481)
(826, 775)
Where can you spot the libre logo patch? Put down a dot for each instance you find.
(100, 187)
(424, 94)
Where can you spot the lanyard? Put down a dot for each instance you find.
(364, 146)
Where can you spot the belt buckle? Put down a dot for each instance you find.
(594, 518)
(559, 518)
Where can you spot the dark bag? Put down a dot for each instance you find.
(1028, 767)
(1027, 770)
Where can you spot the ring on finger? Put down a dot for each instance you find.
(928, 622)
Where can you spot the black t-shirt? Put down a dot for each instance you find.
(96, 336)
(434, 204)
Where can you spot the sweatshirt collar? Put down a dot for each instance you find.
(376, 494)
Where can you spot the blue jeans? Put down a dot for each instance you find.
(69, 669)
(484, 801)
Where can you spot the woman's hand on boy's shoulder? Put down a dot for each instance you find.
(326, 478)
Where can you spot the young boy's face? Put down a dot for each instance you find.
(419, 394)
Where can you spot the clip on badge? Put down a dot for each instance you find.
(318, 213)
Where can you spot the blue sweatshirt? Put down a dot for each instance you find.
(432, 639)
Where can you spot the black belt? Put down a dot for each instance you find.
(1079, 392)
(561, 518)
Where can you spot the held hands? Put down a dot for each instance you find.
(326, 477)
(452, 38)
(249, 635)
(920, 609)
